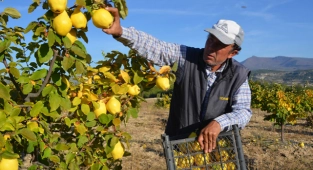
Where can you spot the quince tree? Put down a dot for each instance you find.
(55, 106)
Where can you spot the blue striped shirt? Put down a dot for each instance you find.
(164, 53)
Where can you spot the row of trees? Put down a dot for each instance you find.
(285, 104)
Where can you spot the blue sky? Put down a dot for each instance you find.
(272, 27)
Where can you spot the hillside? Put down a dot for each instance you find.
(279, 63)
(286, 70)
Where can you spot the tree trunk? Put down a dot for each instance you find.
(282, 132)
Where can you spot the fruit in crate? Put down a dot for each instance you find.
(224, 156)
(202, 159)
(222, 143)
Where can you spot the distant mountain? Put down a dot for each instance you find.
(279, 63)
(285, 70)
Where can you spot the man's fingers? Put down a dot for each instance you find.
(114, 11)
(200, 140)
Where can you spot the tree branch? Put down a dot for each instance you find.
(13, 80)
(32, 95)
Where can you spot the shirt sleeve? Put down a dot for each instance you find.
(241, 112)
(147, 46)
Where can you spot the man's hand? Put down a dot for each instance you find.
(115, 29)
(208, 135)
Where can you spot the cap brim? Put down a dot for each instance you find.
(223, 38)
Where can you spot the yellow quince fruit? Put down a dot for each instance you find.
(113, 105)
(102, 18)
(72, 35)
(62, 24)
(57, 6)
(9, 164)
(101, 110)
(133, 90)
(78, 19)
(118, 151)
(163, 83)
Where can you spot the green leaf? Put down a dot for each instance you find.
(83, 36)
(4, 92)
(54, 159)
(27, 88)
(91, 116)
(62, 147)
(69, 157)
(30, 147)
(105, 119)
(9, 155)
(76, 101)
(67, 62)
(4, 45)
(78, 51)
(80, 3)
(66, 103)
(133, 112)
(95, 166)
(91, 124)
(36, 109)
(51, 37)
(67, 42)
(79, 67)
(45, 53)
(47, 153)
(137, 78)
(122, 8)
(54, 101)
(85, 108)
(12, 12)
(30, 26)
(82, 140)
(32, 7)
(39, 30)
(39, 74)
(46, 90)
(3, 21)
(175, 66)
(28, 134)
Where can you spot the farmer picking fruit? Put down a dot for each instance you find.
(211, 92)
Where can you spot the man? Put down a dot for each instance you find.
(211, 91)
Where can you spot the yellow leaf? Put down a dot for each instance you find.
(104, 69)
(110, 76)
(117, 121)
(125, 76)
(92, 97)
(164, 69)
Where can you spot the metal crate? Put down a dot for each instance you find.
(186, 154)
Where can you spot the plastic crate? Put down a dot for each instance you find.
(186, 154)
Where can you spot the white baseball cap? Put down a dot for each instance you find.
(227, 31)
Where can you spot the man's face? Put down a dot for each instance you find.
(216, 53)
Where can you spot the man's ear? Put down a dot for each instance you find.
(233, 53)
